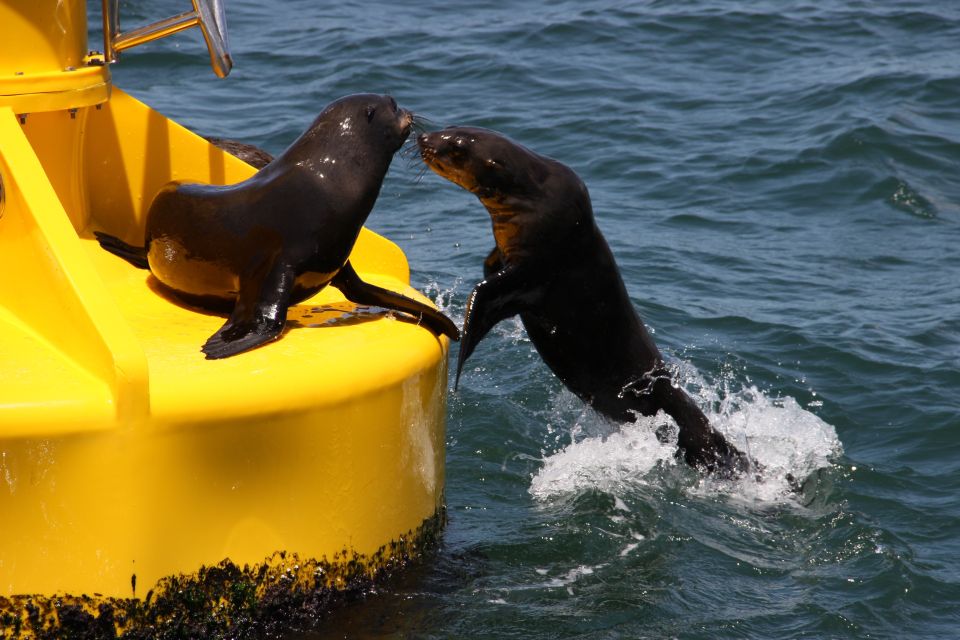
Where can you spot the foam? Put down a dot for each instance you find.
(786, 440)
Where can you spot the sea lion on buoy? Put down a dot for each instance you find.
(279, 237)
(552, 266)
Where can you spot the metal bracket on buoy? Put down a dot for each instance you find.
(207, 14)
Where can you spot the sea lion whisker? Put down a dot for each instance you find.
(421, 123)
(414, 162)
(421, 171)
(417, 175)
(409, 148)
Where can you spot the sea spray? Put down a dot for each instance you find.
(788, 443)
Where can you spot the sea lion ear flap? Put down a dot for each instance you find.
(371, 111)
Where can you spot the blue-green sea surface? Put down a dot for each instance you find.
(780, 184)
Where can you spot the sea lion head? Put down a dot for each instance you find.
(361, 120)
(349, 146)
(532, 199)
(485, 163)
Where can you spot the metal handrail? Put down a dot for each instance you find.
(207, 14)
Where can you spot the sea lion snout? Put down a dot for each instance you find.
(406, 122)
(448, 143)
(404, 117)
(427, 145)
(451, 155)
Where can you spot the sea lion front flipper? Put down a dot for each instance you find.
(498, 297)
(258, 315)
(360, 292)
(702, 445)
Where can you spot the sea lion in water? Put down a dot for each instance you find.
(279, 237)
(552, 265)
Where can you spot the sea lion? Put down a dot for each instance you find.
(552, 265)
(277, 238)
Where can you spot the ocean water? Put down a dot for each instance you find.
(780, 184)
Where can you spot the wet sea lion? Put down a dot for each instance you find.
(277, 238)
(552, 265)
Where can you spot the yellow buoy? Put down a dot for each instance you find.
(128, 461)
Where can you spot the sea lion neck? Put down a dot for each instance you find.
(333, 145)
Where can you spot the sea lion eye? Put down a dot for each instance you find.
(371, 111)
(393, 105)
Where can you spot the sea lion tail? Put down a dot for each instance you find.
(137, 256)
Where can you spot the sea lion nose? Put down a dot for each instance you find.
(406, 123)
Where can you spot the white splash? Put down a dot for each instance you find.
(442, 298)
(787, 441)
(606, 463)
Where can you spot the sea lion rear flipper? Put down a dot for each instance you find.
(258, 316)
(703, 446)
(137, 256)
(360, 292)
(498, 297)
